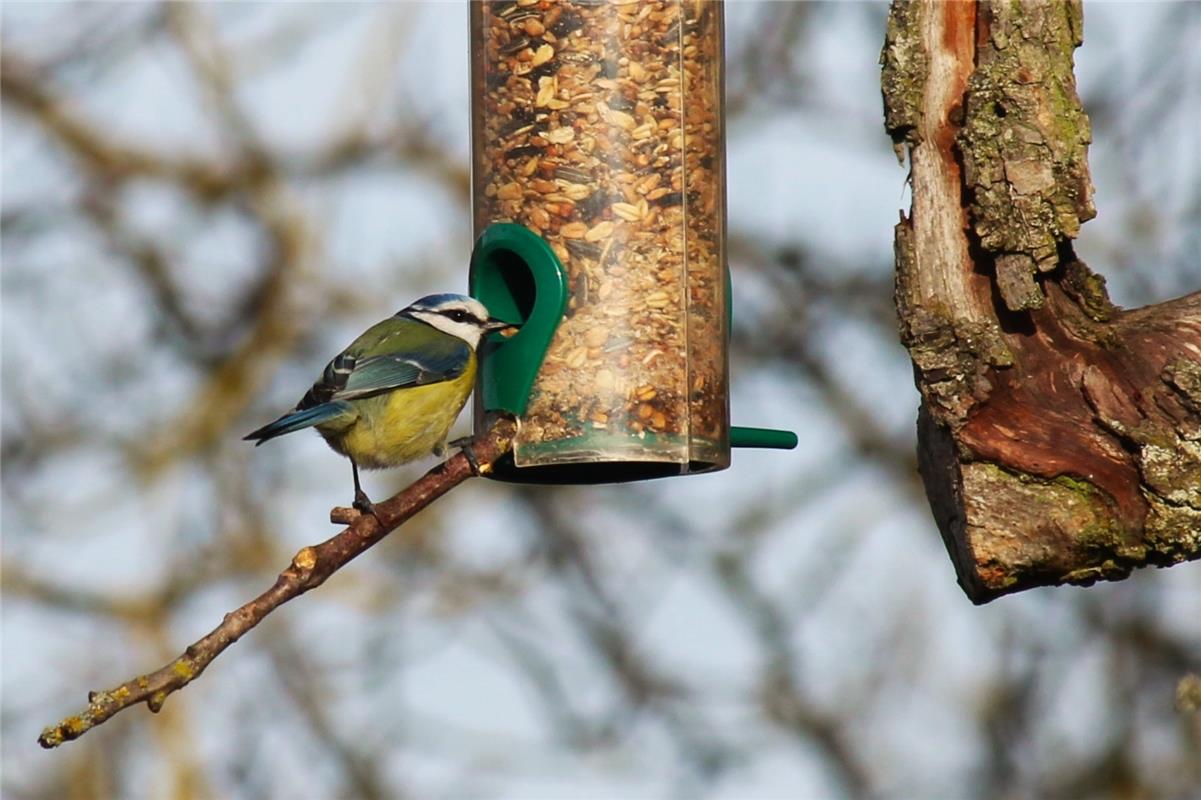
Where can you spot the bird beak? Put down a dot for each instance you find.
(494, 324)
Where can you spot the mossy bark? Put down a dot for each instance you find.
(1059, 435)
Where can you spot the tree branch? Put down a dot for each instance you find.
(1059, 436)
(309, 569)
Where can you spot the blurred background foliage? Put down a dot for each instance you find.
(203, 202)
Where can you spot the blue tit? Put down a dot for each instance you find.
(392, 396)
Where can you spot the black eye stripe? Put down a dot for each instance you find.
(458, 315)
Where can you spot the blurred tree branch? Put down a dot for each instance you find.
(780, 689)
(23, 86)
(309, 569)
(622, 657)
(1058, 435)
(355, 757)
(644, 685)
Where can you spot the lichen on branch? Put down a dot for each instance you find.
(1024, 142)
(1058, 434)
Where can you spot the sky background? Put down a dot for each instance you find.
(790, 627)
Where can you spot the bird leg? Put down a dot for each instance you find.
(464, 446)
(361, 501)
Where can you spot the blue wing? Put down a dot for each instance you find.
(385, 373)
(323, 414)
(374, 364)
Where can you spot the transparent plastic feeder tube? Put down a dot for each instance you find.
(598, 126)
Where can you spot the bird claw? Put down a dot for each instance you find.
(364, 506)
(464, 446)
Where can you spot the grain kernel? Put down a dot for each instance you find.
(548, 85)
(576, 358)
(648, 183)
(576, 191)
(627, 211)
(596, 337)
(573, 230)
(602, 230)
(619, 118)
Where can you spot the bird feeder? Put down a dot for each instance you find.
(599, 209)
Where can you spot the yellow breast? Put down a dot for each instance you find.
(403, 425)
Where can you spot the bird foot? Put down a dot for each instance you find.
(464, 446)
(365, 506)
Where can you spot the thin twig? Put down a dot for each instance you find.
(309, 569)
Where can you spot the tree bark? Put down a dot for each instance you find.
(310, 568)
(1059, 436)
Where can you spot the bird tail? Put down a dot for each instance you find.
(296, 420)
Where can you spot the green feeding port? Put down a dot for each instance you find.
(520, 280)
(518, 276)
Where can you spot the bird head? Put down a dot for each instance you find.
(456, 314)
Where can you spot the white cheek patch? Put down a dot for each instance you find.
(467, 331)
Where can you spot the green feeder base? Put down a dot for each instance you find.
(517, 276)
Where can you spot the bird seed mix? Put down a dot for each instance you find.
(597, 125)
